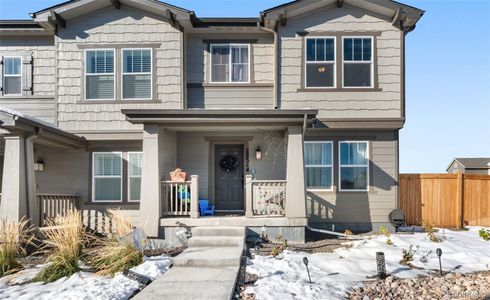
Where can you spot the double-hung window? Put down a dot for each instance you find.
(137, 74)
(99, 74)
(318, 165)
(353, 166)
(320, 62)
(358, 62)
(12, 75)
(134, 175)
(107, 177)
(230, 63)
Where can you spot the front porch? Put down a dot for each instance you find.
(259, 191)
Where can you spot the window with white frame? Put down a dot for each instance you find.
(137, 74)
(230, 63)
(107, 176)
(12, 76)
(134, 174)
(358, 62)
(99, 74)
(318, 165)
(353, 166)
(320, 62)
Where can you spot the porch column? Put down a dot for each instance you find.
(19, 183)
(248, 196)
(151, 176)
(194, 214)
(295, 189)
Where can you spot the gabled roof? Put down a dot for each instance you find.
(403, 16)
(482, 163)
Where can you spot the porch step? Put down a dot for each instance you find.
(209, 256)
(218, 231)
(216, 241)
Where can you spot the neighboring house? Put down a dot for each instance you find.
(470, 166)
(284, 120)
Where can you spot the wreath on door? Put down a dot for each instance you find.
(229, 163)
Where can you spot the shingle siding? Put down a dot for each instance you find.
(343, 104)
(115, 26)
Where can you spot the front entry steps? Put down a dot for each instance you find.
(207, 269)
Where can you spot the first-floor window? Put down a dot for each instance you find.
(318, 165)
(354, 166)
(99, 74)
(107, 176)
(12, 74)
(134, 174)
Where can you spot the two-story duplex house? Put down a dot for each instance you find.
(284, 120)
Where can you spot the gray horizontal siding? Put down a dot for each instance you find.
(43, 55)
(257, 97)
(44, 108)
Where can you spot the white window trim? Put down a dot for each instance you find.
(318, 166)
(334, 61)
(364, 166)
(230, 66)
(5, 75)
(99, 74)
(358, 62)
(140, 73)
(130, 176)
(93, 177)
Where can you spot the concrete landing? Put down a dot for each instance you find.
(207, 269)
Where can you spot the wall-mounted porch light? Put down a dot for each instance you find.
(258, 153)
(39, 165)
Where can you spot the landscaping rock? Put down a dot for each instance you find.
(449, 286)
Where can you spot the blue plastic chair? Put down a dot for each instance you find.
(205, 209)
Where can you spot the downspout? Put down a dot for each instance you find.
(276, 60)
(27, 161)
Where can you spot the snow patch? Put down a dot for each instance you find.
(333, 274)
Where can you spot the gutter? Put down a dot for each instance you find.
(276, 61)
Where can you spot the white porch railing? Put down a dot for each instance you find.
(52, 205)
(267, 197)
(180, 198)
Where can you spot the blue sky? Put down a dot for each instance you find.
(448, 74)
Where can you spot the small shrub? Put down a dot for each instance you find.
(384, 231)
(276, 250)
(116, 253)
(407, 255)
(14, 235)
(484, 234)
(431, 233)
(64, 240)
(347, 232)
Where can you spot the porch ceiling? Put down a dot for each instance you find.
(211, 117)
(16, 123)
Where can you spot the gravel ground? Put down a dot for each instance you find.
(446, 287)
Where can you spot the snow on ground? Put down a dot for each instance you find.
(81, 285)
(333, 274)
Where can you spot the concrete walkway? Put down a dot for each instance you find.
(206, 270)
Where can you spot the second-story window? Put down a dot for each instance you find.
(137, 77)
(99, 75)
(358, 62)
(230, 63)
(12, 76)
(320, 62)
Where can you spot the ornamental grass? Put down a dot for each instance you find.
(64, 241)
(14, 236)
(116, 252)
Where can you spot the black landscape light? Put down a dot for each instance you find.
(305, 261)
(381, 265)
(439, 253)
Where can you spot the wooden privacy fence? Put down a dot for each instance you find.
(446, 200)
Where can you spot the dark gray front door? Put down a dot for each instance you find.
(228, 177)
